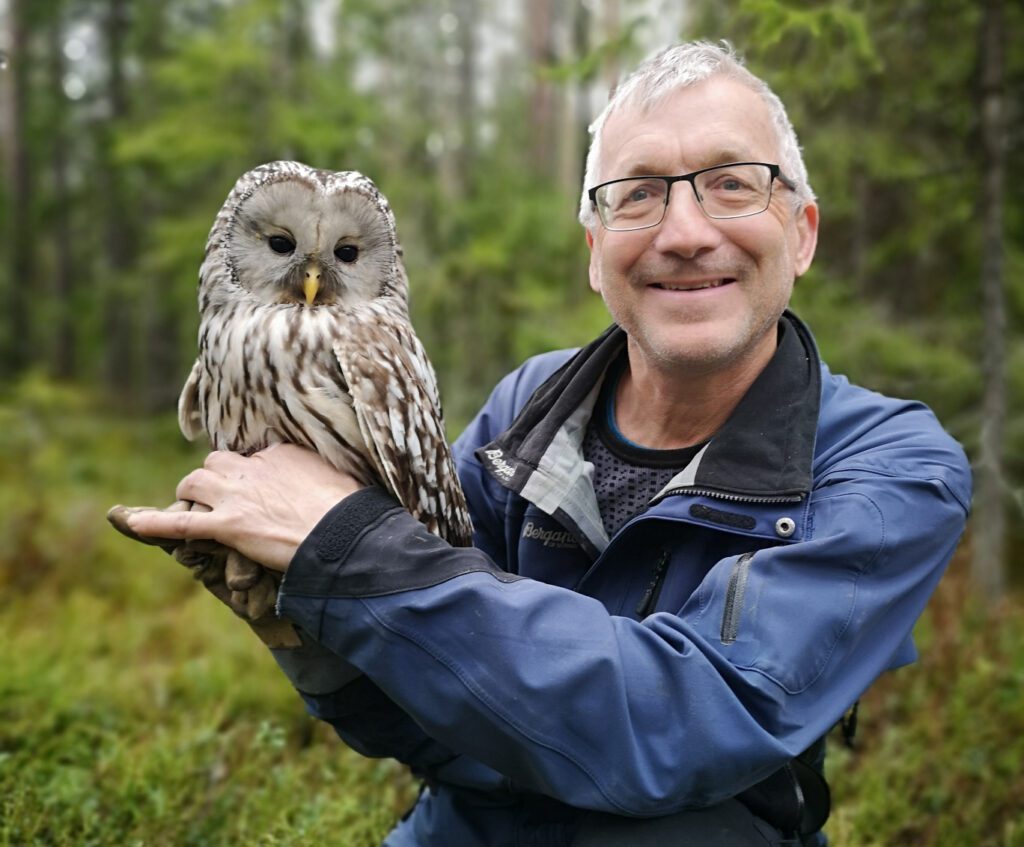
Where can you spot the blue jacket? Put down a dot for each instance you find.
(716, 636)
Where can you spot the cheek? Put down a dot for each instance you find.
(798, 233)
(771, 243)
(612, 256)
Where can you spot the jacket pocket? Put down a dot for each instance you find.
(789, 611)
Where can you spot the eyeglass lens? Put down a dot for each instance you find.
(729, 191)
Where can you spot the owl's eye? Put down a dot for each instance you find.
(346, 253)
(281, 244)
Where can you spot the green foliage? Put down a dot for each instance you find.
(523, 289)
(943, 742)
(135, 709)
(833, 35)
(586, 67)
(884, 95)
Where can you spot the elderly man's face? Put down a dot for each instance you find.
(655, 281)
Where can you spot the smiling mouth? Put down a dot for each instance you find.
(694, 286)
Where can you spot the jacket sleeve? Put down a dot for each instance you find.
(609, 713)
(340, 694)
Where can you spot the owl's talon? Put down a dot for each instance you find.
(241, 573)
(239, 601)
(263, 598)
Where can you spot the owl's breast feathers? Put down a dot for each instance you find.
(354, 385)
(268, 374)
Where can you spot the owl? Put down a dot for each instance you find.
(305, 338)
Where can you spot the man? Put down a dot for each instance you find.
(695, 547)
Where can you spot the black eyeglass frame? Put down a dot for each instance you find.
(774, 170)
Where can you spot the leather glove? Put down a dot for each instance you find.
(244, 586)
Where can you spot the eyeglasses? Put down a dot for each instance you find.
(737, 190)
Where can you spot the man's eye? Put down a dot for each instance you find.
(731, 184)
(638, 195)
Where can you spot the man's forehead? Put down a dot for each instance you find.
(713, 121)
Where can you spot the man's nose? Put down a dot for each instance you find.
(685, 229)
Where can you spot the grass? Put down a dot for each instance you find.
(942, 762)
(134, 710)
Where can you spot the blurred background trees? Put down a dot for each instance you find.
(124, 125)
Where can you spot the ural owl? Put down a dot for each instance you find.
(305, 338)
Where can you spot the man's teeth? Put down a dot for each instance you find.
(711, 284)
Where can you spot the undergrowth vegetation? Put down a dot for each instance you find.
(134, 709)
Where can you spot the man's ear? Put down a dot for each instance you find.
(807, 237)
(592, 270)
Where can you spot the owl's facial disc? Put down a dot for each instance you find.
(294, 245)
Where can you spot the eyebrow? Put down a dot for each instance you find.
(727, 155)
(719, 157)
(640, 168)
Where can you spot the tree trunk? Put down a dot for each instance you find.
(542, 97)
(576, 143)
(990, 503)
(161, 315)
(164, 372)
(468, 115)
(65, 339)
(17, 332)
(612, 67)
(572, 133)
(120, 368)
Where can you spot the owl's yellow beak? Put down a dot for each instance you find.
(311, 282)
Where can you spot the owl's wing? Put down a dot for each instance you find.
(395, 397)
(190, 417)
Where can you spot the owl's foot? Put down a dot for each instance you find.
(253, 588)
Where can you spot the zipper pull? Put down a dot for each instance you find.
(650, 598)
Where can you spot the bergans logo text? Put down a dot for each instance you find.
(501, 467)
(549, 537)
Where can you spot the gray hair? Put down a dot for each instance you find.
(678, 67)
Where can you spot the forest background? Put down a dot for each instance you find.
(135, 710)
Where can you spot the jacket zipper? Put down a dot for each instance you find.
(734, 498)
(734, 598)
(650, 598)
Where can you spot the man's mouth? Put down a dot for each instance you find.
(696, 285)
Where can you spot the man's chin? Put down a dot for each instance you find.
(704, 347)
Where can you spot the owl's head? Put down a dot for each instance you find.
(291, 234)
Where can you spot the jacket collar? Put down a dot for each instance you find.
(766, 447)
(762, 453)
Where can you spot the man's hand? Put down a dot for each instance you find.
(262, 505)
